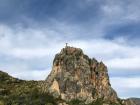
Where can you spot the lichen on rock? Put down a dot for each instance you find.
(75, 79)
(80, 77)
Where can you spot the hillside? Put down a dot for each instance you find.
(75, 79)
(19, 92)
(136, 100)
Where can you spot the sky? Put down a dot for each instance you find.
(33, 31)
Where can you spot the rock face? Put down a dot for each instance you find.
(75, 76)
(129, 102)
(136, 100)
(75, 79)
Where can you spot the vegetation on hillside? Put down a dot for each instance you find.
(19, 92)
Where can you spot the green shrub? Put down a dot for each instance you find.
(75, 102)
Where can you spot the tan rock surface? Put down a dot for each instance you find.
(80, 77)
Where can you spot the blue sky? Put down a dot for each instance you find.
(33, 31)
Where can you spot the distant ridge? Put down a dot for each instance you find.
(136, 100)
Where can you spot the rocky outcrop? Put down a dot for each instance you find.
(135, 100)
(129, 102)
(76, 76)
(75, 79)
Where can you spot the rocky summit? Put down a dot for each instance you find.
(75, 79)
(75, 76)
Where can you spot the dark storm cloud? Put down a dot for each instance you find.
(78, 16)
(128, 30)
(43, 10)
(92, 18)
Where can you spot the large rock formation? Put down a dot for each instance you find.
(75, 79)
(75, 76)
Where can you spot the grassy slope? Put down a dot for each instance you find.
(18, 92)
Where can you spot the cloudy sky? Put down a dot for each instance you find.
(33, 31)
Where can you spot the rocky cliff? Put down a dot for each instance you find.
(75, 79)
(76, 76)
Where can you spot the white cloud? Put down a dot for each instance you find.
(121, 10)
(22, 70)
(26, 53)
(126, 87)
(124, 82)
(32, 74)
(132, 63)
(35, 43)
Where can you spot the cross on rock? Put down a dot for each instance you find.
(66, 44)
